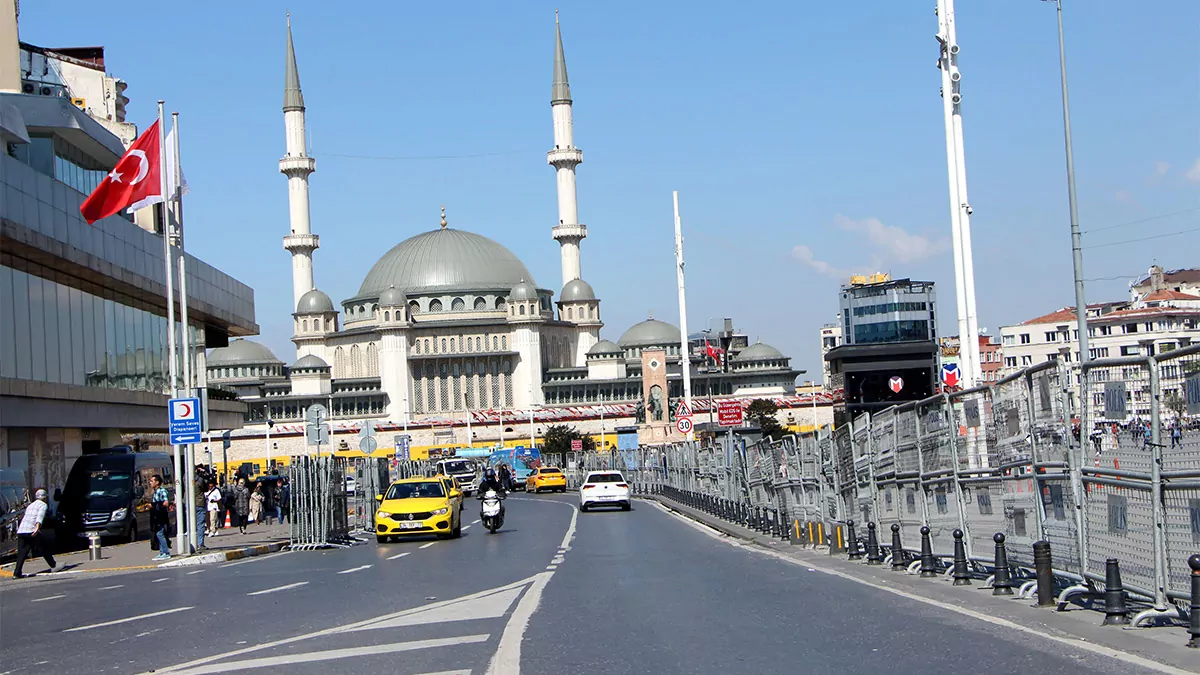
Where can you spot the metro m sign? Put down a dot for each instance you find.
(729, 413)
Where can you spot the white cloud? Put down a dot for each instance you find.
(897, 244)
(1160, 170)
(1193, 174)
(805, 255)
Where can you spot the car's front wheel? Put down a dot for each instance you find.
(379, 538)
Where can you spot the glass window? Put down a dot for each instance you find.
(37, 329)
(81, 325)
(8, 325)
(66, 328)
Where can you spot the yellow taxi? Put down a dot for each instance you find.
(456, 495)
(546, 478)
(417, 506)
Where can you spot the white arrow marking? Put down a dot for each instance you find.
(334, 654)
(355, 569)
(151, 615)
(298, 584)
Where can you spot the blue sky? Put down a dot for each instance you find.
(783, 125)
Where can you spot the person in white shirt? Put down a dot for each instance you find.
(29, 534)
(213, 499)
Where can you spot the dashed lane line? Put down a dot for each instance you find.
(111, 588)
(423, 546)
(139, 617)
(399, 555)
(475, 522)
(196, 572)
(51, 597)
(158, 580)
(298, 584)
(356, 569)
(466, 527)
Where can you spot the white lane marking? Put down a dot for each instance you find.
(507, 660)
(551, 567)
(348, 628)
(109, 588)
(491, 606)
(1073, 642)
(196, 572)
(427, 545)
(334, 654)
(466, 527)
(356, 569)
(256, 558)
(298, 584)
(399, 555)
(558, 560)
(570, 529)
(139, 617)
(158, 580)
(52, 597)
(475, 522)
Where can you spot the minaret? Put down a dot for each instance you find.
(297, 165)
(564, 158)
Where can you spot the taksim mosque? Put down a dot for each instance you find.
(450, 332)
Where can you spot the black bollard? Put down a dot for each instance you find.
(1116, 613)
(1043, 568)
(852, 536)
(874, 557)
(1002, 582)
(928, 562)
(962, 577)
(898, 564)
(1194, 624)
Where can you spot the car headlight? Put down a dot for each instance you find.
(119, 514)
(382, 514)
(442, 511)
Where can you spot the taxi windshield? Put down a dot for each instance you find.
(421, 490)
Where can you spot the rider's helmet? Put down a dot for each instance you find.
(489, 474)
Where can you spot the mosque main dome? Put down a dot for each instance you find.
(445, 260)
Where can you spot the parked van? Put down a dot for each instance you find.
(14, 497)
(109, 492)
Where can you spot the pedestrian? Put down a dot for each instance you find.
(1176, 434)
(200, 508)
(30, 536)
(277, 500)
(160, 516)
(285, 497)
(212, 498)
(256, 504)
(241, 504)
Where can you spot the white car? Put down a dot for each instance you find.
(605, 488)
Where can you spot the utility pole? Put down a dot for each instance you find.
(685, 361)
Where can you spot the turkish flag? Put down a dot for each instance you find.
(134, 181)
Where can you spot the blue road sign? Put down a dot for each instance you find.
(185, 423)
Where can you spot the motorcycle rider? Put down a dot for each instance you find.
(490, 482)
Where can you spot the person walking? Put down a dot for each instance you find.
(160, 516)
(277, 500)
(200, 508)
(212, 498)
(1176, 434)
(256, 504)
(29, 534)
(285, 499)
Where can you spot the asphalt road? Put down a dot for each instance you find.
(555, 591)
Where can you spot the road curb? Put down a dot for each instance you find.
(715, 524)
(226, 556)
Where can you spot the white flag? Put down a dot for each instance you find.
(176, 185)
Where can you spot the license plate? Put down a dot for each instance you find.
(607, 498)
(410, 526)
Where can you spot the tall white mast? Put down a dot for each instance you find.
(685, 361)
(297, 166)
(569, 232)
(960, 209)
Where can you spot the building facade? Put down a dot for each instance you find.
(449, 327)
(83, 329)
(831, 338)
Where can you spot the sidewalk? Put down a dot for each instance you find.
(1162, 644)
(229, 545)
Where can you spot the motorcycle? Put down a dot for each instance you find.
(491, 513)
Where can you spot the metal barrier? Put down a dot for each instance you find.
(1004, 459)
(319, 507)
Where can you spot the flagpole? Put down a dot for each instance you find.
(184, 332)
(172, 348)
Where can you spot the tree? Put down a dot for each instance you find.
(763, 412)
(558, 438)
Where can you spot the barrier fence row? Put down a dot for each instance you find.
(955, 470)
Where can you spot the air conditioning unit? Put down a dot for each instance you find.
(27, 88)
(45, 91)
(80, 103)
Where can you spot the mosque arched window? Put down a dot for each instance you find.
(305, 326)
(478, 344)
(435, 305)
(427, 346)
(413, 308)
(355, 361)
(457, 305)
(504, 342)
(387, 316)
(570, 313)
(339, 362)
(500, 304)
(362, 309)
(480, 303)
(521, 311)
(443, 345)
(372, 359)
(495, 343)
(451, 345)
(590, 311)
(316, 324)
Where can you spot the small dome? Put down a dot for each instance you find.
(392, 297)
(650, 332)
(241, 352)
(759, 352)
(522, 291)
(605, 348)
(577, 289)
(314, 302)
(310, 362)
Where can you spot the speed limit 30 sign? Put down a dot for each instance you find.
(683, 424)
